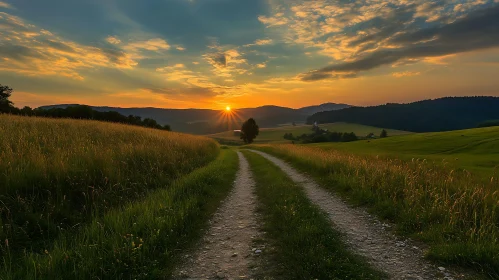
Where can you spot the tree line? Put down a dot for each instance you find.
(74, 112)
(320, 135)
(443, 114)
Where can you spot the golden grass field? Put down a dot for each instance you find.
(59, 177)
(455, 212)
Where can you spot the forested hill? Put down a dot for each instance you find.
(443, 114)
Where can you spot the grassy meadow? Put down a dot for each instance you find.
(454, 212)
(275, 135)
(69, 187)
(306, 246)
(476, 150)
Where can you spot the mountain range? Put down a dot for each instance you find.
(207, 121)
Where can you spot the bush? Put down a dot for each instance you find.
(383, 134)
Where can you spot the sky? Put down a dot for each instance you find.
(247, 53)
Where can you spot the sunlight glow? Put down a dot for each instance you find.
(227, 108)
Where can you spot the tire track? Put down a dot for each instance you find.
(225, 251)
(365, 235)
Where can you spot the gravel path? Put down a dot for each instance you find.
(226, 250)
(400, 259)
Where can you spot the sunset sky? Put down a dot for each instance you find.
(245, 53)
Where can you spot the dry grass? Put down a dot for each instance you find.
(57, 175)
(454, 211)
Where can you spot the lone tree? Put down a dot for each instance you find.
(383, 134)
(5, 104)
(249, 131)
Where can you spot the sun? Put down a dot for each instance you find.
(227, 109)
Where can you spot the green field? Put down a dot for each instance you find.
(275, 135)
(476, 150)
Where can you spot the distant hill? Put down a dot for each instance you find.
(310, 110)
(206, 121)
(443, 114)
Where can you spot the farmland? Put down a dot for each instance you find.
(476, 150)
(275, 135)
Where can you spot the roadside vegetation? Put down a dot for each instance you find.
(68, 189)
(305, 244)
(454, 212)
(142, 240)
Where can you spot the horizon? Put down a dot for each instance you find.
(190, 54)
(266, 105)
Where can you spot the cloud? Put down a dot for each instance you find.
(226, 63)
(405, 74)
(276, 20)
(113, 40)
(190, 91)
(31, 51)
(155, 44)
(5, 5)
(261, 42)
(219, 60)
(180, 48)
(474, 32)
(346, 30)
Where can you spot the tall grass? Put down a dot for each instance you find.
(57, 175)
(141, 240)
(454, 212)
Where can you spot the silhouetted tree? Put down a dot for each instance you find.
(289, 136)
(383, 134)
(74, 112)
(26, 111)
(5, 104)
(249, 131)
(294, 124)
(349, 137)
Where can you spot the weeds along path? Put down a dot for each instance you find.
(225, 251)
(366, 236)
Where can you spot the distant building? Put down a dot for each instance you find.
(237, 132)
